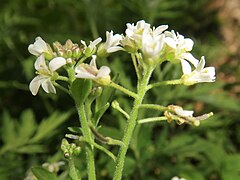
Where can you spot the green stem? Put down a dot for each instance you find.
(136, 66)
(74, 173)
(154, 106)
(163, 83)
(60, 87)
(110, 154)
(124, 90)
(154, 119)
(88, 137)
(62, 78)
(142, 84)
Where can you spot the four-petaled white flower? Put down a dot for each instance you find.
(112, 42)
(91, 48)
(45, 73)
(90, 71)
(39, 47)
(134, 32)
(200, 74)
(180, 47)
(152, 46)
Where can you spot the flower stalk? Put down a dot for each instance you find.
(142, 84)
(87, 135)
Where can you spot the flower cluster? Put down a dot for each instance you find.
(151, 46)
(68, 56)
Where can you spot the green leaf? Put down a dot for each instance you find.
(80, 90)
(27, 126)
(129, 167)
(47, 126)
(8, 129)
(43, 174)
(29, 149)
(231, 167)
(76, 130)
(99, 113)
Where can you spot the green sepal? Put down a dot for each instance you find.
(43, 174)
(80, 89)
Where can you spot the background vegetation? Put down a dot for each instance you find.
(31, 128)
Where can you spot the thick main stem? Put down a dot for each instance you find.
(89, 148)
(142, 88)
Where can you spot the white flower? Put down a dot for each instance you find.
(177, 178)
(39, 47)
(111, 45)
(200, 74)
(152, 46)
(90, 71)
(180, 47)
(112, 42)
(91, 48)
(45, 73)
(135, 32)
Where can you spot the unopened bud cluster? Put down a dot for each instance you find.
(70, 51)
(70, 149)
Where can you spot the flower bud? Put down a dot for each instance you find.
(115, 104)
(77, 151)
(96, 92)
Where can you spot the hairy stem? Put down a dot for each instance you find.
(164, 83)
(124, 90)
(142, 84)
(88, 137)
(153, 119)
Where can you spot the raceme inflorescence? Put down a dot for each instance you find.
(72, 67)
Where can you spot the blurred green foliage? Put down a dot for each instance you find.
(158, 151)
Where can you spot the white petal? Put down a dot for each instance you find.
(84, 43)
(32, 50)
(56, 63)
(170, 42)
(114, 49)
(103, 71)
(95, 42)
(201, 64)
(38, 47)
(186, 67)
(188, 44)
(83, 73)
(40, 63)
(35, 84)
(40, 43)
(160, 29)
(93, 61)
(184, 113)
(211, 71)
(48, 86)
(190, 58)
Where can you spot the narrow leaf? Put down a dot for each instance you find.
(43, 174)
